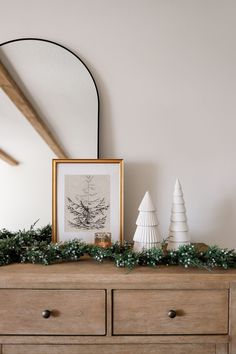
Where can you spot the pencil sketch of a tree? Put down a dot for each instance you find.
(89, 210)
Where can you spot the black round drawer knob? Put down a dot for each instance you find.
(172, 314)
(46, 313)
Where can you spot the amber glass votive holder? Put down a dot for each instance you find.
(103, 239)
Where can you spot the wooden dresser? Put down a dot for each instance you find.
(88, 308)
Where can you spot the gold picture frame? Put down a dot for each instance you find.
(80, 185)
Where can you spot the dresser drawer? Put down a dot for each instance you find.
(112, 349)
(137, 312)
(72, 312)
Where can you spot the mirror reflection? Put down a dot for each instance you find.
(48, 109)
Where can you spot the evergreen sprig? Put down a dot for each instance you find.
(35, 246)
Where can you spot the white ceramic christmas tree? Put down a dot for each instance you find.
(178, 231)
(147, 234)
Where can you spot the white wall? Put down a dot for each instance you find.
(166, 73)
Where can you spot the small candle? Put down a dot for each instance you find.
(103, 239)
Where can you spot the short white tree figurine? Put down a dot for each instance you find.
(178, 231)
(147, 234)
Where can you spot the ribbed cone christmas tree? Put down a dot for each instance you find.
(147, 234)
(178, 231)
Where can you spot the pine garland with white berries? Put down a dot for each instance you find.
(35, 246)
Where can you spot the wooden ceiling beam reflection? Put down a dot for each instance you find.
(16, 95)
(7, 158)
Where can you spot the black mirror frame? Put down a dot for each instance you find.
(70, 51)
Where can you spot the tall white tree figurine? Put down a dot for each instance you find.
(178, 231)
(147, 234)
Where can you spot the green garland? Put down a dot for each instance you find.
(35, 246)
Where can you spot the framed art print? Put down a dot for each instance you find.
(87, 199)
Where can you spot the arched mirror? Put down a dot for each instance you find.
(49, 108)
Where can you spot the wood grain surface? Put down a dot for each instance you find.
(20, 100)
(222, 349)
(80, 312)
(81, 296)
(198, 312)
(111, 349)
(232, 319)
(89, 273)
(7, 158)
